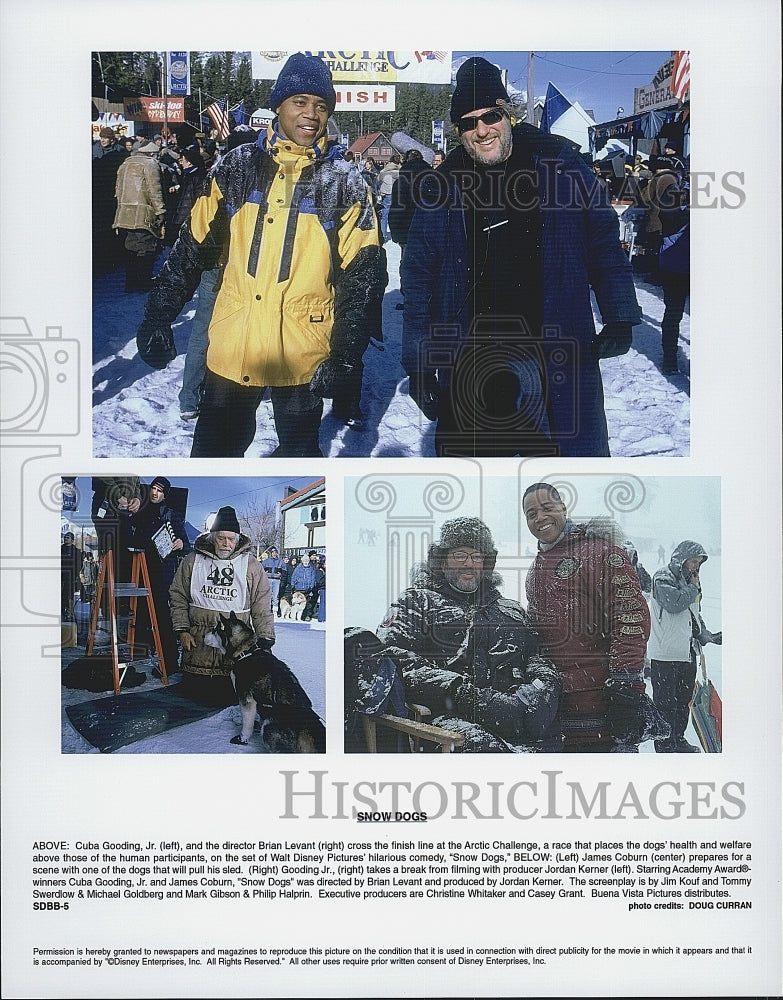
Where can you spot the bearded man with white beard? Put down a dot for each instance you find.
(469, 654)
(219, 576)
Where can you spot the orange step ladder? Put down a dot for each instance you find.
(139, 586)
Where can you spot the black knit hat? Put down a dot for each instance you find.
(478, 86)
(239, 136)
(193, 155)
(663, 163)
(161, 481)
(226, 520)
(303, 75)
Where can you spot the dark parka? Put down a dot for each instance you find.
(150, 519)
(403, 198)
(580, 250)
(474, 657)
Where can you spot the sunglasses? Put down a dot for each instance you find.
(469, 122)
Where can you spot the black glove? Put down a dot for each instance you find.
(614, 340)
(633, 718)
(523, 715)
(540, 701)
(155, 343)
(425, 393)
(265, 645)
(332, 378)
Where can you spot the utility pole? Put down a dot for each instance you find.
(165, 80)
(531, 109)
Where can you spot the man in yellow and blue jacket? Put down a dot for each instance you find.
(303, 277)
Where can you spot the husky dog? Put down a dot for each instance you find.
(265, 684)
(294, 606)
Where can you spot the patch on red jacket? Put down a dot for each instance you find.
(615, 559)
(566, 568)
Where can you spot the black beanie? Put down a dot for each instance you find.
(662, 163)
(239, 136)
(193, 155)
(478, 86)
(226, 520)
(303, 75)
(161, 481)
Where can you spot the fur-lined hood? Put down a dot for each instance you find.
(605, 528)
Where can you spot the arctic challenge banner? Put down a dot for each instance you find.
(376, 66)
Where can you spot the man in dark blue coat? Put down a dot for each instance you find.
(509, 237)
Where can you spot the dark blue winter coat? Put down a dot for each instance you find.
(675, 252)
(580, 250)
(303, 577)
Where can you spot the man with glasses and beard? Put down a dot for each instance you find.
(511, 234)
(469, 654)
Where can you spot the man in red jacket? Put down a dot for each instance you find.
(585, 600)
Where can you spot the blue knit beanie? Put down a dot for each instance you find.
(303, 75)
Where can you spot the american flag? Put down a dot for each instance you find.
(220, 119)
(681, 74)
(430, 54)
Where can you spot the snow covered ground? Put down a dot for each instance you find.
(136, 410)
(299, 644)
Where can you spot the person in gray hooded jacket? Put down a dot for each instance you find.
(677, 635)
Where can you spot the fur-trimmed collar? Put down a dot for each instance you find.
(605, 528)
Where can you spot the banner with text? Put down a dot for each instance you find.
(354, 97)
(179, 73)
(154, 109)
(381, 66)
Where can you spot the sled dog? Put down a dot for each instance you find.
(294, 606)
(264, 684)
